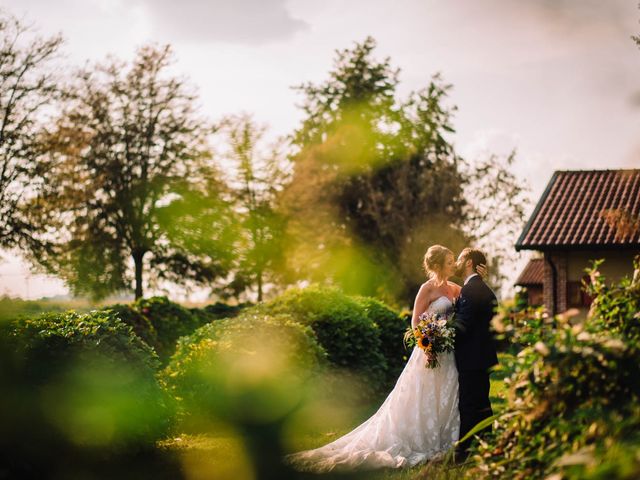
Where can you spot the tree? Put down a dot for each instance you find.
(129, 183)
(28, 84)
(376, 180)
(257, 177)
(379, 170)
(496, 209)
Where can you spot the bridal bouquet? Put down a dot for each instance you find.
(434, 334)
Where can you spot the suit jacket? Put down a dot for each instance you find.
(474, 344)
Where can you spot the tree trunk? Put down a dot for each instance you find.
(260, 286)
(137, 259)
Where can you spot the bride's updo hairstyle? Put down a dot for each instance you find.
(434, 259)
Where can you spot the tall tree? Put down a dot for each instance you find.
(380, 172)
(497, 201)
(28, 84)
(257, 174)
(129, 182)
(376, 179)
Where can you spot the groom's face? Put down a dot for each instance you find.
(461, 267)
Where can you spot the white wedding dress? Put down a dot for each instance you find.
(418, 420)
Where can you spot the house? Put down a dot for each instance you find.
(583, 215)
(532, 279)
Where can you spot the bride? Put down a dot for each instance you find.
(419, 419)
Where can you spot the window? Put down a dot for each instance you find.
(576, 296)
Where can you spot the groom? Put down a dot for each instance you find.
(475, 351)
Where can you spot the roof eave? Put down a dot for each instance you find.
(543, 198)
(586, 246)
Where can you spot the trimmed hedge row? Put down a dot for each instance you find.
(161, 322)
(227, 366)
(80, 396)
(360, 334)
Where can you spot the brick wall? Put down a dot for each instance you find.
(559, 260)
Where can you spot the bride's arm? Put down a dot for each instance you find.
(420, 304)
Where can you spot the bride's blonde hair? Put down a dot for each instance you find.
(434, 259)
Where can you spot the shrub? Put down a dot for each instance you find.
(517, 329)
(252, 372)
(203, 372)
(342, 327)
(616, 308)
(80, 399)
(138, 322)
(574, 393)
(391, 328)
(170, 321)
(222, 310)
(217, 311)
(56, 337)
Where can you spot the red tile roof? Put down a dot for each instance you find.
(533, 273)
(586, 208)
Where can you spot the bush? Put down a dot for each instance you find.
(80, 399)
(56, 337)
(252, 372)
(199, 373)
(518, 329)
(616, 308)
(217, 311)
(574, 392)
(138, 322)
(342, 327)
(222, 310)
(170, 321)
(391, 328)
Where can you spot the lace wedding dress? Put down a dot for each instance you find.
(418, 420)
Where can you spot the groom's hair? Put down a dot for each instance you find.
(475, 255)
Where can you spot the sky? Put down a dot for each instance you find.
(557, 80)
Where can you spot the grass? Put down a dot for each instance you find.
(224, 456)
(11, 308)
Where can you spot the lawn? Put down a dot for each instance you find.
(223, 456)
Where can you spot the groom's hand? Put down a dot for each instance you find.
(482, 270)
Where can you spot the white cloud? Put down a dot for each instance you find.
(240, 21)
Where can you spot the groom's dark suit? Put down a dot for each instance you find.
(475, 353)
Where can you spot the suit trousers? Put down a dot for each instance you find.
(474, 404)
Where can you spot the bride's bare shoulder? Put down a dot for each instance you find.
(426, 288)
(428, 285)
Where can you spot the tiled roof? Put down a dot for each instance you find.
(533, 273)
(586, 208)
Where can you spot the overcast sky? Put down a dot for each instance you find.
(559, 80)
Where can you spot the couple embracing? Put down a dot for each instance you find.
(428, 410)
